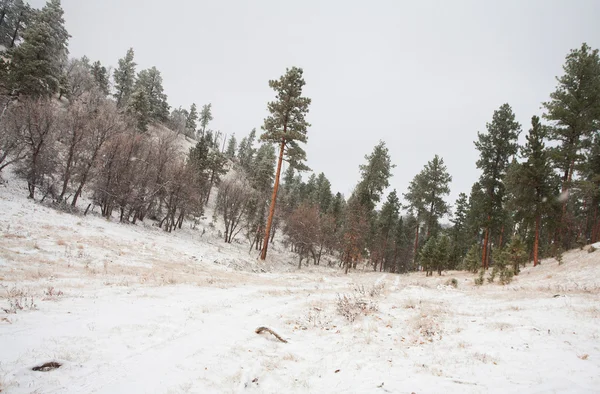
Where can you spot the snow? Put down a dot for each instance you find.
(140, 310)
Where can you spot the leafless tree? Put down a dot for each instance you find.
(36, 123)
(105, 124)
(12, 148)
(303, 230)
(232, 202)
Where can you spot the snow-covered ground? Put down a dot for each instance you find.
(131, 309)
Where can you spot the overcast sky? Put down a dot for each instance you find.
(424, 76)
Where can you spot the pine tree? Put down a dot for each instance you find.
(375, 176)
(286, 125)
(442, 254)
(246, 151)
(531, 183)
(426, 194)
(461, 239)
(124, 77)
(139, 109)
(36, 65)
(205, 118)
(387, 218)
(192, 119)
(336, 209)
(217, 167)
(263, 169)
(231, 147)
(574, 109)
(7, 13)
(15, 17)
(150, 82)
(496, 148)
(323, 194)
(590, 182)
(354, 232)
(100, 75)
(428, 255)
(471, 261)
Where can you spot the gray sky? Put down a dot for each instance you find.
(424, 76)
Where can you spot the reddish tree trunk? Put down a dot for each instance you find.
(263, 254)
(536, 242)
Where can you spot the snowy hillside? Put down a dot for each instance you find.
(130, 308)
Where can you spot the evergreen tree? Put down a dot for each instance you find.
(150, 82)
(246, 151)
(192, 119)
(124, 77)
(496, 148)
(139, 109)
(309, 192)
(375, 176)
(8, 16)
(387, 218)
(400, 246)
(231, 147)
(217, 167)
(286, 125)
(472, 260)
(100, 75)
(428, 255)
(205, 118)
(323, 194)
(7, 13)
(263, 169)
(426, 194)
(15, 17)
(336, 209)
(441, 254)
(354, 232)
(574, 109)
(36, 65)
(531, 183)
(590, 182)
(461, 239)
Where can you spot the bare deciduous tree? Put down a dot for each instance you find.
(232, 202)
(303, 230)
(12, 149)
(36, 122)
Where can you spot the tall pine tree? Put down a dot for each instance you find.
(287, 126)
(124, 77)
(574, 110)
(531, 183)
(496, 148)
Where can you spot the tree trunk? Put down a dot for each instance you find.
(536, 242)
(212, 179)
(263, 254)
(501, 236)
(17, 26)
(565, 190)
(485, 249)
(416, 245)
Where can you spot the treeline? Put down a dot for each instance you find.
(531, 201)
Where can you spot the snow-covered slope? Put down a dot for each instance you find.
(129, 309)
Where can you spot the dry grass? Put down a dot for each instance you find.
(584, 356)
(485, 358)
